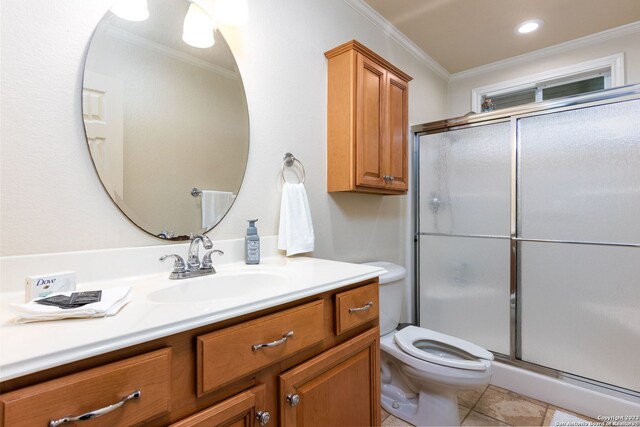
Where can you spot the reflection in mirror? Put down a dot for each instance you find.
(162, 118)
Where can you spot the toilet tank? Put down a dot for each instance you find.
(391, 295)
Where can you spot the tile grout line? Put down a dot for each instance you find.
(544, 417)
(481, 394)
(544, 405)
(482, 413)
(474, 404)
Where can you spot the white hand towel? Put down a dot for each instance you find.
(214, 205)
(296, 229)
(111, 302)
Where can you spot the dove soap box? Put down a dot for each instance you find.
(45, 284)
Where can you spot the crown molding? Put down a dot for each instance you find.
(612, 33)
(388, 28)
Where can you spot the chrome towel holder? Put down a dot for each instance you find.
(289, 160)
(195, 192)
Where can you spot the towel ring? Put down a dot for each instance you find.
(289, 159)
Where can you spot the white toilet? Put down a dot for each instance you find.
(423, 370)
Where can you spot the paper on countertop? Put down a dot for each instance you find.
(112, 301)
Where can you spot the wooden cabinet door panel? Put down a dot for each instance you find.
(340, 387)
(370, 135)
(395, 152)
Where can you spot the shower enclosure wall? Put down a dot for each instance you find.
(527, 235)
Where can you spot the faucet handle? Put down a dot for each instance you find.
(206, 259)
(178, 265)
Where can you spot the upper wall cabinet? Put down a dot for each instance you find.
(367, 122)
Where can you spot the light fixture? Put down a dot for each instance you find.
(528, 26)
(131, 10)
(198, 27)
(231, 12)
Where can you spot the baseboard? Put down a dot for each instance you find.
(561, 393)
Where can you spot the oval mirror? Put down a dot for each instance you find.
(167, 124)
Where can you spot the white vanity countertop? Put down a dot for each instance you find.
(32, 347)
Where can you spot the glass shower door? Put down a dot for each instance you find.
(578, 236)
(464, 231)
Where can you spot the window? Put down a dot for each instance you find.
(590, 76)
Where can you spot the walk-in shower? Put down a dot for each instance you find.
(527, 235)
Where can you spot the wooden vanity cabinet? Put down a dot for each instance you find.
(367, 122)
(211, 376)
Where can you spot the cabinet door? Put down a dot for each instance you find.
(394, 151)
(340, 387)
(370, 123)
(241, 410)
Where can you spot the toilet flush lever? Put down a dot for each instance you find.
(367, 306)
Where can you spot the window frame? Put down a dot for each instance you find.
(612, 67)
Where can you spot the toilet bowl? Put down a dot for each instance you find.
(423, 370)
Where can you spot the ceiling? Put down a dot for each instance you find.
(464, 34)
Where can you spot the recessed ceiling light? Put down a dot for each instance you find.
(528, 26)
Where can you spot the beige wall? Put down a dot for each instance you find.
(52, 200)
(459, 92)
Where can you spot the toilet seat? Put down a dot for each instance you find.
(441, 349)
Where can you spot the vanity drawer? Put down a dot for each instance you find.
(238, 410)
(231, 353)
(355, 307)
(97, 388)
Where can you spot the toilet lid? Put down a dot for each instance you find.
(442, 349)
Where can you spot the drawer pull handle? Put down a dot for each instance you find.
(367, 306)
(282, 340)
(97, 413)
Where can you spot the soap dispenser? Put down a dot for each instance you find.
(252, 244)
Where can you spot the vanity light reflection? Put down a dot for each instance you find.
(200, 22)
(132, 10)
(198, 27)
(203, 16)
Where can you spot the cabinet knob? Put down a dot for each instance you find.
(293, 400)
(263, 417)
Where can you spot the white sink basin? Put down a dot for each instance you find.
(247, 285)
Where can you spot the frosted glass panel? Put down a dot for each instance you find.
(464, 289)
(581, 310)
(465, 181)
(580, 174)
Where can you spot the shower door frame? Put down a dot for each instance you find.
(512, 115)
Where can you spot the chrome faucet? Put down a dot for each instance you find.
(193, 267)
(193, 261)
